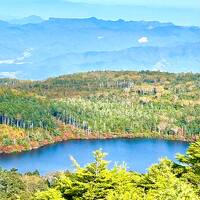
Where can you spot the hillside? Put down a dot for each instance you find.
(99, 105)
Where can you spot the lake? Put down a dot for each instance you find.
(139, 154)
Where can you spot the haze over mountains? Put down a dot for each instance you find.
(36, 49)
(33, 19)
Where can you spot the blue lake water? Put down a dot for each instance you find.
(139, 154)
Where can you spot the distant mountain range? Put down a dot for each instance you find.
(36, 48)
(33, 19)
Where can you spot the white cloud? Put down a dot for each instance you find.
(9, 61)
(100, 37)
(143, 40)
(18, 61)
(9, 74)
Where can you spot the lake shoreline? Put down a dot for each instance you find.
(68, 137)
(138, 153)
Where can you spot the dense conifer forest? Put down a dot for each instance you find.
(98, 105)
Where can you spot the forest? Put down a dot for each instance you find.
(101, 104)
(164, 180)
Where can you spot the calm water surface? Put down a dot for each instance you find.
(139, 154)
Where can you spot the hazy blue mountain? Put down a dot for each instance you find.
(180, 12)
(33, 19)
(56, 46)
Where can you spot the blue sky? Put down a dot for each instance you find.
(169, 3)
(181, 12)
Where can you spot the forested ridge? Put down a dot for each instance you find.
(166, 180)
(99, 105)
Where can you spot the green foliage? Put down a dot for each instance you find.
(24, 111)
(96, 181)
(191, 168)
(7, 141)
(51, 194)
(101, 104)
(192, 157)
(163, 181)
(15, 186)
(91, 182)
(151, 103)
(24, 118)
(11, 185)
